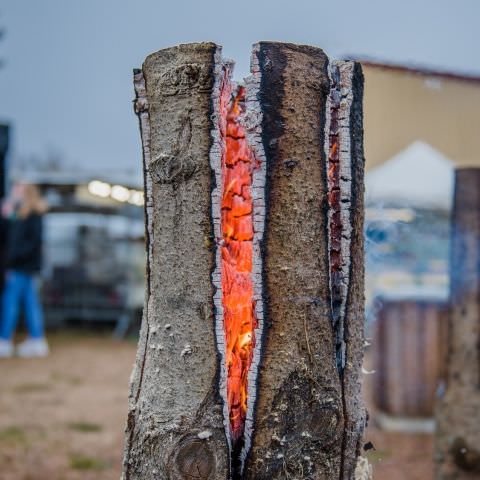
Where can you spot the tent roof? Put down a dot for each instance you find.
(419, 176)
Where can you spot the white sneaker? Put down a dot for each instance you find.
(6, 348)
(33, 347)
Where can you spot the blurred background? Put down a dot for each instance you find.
(67, 125)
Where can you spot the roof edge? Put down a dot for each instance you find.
(415, 69)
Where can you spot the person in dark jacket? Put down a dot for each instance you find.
(22, 216)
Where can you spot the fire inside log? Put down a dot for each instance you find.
(251, 346)
(237, 252)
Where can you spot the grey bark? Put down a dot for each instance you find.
(458, 413)
(173, 395)
(308, 416)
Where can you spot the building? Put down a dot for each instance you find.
(406, 104)
(419, 126)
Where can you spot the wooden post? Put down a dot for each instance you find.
(309, 416)
(458, 414)
(303, 121)
(409, 355)
(174, 397)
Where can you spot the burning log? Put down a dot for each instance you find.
(458, 413)
(252, 339)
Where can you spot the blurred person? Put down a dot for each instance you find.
(22, 219)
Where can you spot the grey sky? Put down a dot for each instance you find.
(66, 83)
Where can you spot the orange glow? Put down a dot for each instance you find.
(237, 252)
(334, 204)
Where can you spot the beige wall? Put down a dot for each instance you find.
(401, 107)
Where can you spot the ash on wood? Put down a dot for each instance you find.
(251, 346)
(458, 414)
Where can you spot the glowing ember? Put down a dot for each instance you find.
(335, 219)
(334, 202)
(237, 250)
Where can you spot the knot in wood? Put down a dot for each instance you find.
(182, 79)
(304, 414)
(465, 457)
(140, 105)
(194, 460)
(290, 163)
(323, 423)
(172, 168)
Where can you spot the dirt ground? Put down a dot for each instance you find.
(62, 417)
(396, 456)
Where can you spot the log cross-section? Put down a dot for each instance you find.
(264, 195)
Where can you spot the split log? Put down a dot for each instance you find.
(174, 399)
(458, 413)
(303, 417)
(309, 417)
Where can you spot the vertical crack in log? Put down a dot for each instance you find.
(340, 229)
(339, 200)
(253, 122)
(222, 72)
(334, 219)
(352, 167)
(141, 109)
(238, 213)
(237, 252)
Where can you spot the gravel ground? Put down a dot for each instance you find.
(62, 417)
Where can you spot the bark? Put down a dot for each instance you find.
(175, 424)
(304, 402)
(458, 414)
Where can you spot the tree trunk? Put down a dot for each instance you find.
(174, 393)
(458, 413)
(309, 416)
(303, 416)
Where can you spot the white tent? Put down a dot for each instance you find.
(417, 177)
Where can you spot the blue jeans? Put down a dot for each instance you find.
(20, 288)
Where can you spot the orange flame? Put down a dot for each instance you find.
(237, 252)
